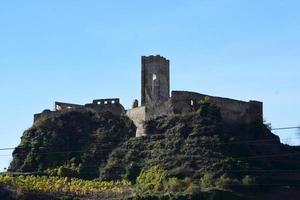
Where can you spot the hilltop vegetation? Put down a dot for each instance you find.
(74, 143)
(187, 154)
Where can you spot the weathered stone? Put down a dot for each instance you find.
(156, 100)
(138, 116)
(155, 80)
(99, 105)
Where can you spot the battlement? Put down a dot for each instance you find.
(157, 58)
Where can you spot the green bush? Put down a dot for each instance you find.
(211, 195)
(207, 181)
(225, 182)
(247, 180)
(152, 180)
(132, 172)
(175, 185)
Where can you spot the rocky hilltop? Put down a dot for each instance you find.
(196, 147)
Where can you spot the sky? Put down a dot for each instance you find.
(79, 50)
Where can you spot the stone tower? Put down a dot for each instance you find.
(155, 79)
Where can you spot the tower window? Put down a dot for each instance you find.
(192, 103)
(154, 77)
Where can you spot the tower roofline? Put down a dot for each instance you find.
(154, 58)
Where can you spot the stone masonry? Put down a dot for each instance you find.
(156, 100)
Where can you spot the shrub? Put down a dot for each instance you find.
(152, 180)
(132, 172)
(69, 170)
(207, 181)
(175, 185)
(224, 182)
(247, 180)
(65, 186)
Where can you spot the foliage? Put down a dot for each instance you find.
(175, 185)
(209, 195)
(207, 181)
(247, 180)
(152, 180)
(69, 186)
(210, 181)
(172, 142)
(65, 171)
(71, 143)
(156, 181)
(175, 157)
(225, 182)
(132, 172)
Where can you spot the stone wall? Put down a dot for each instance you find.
(159, 109)
(45, 114)
(107, 105)
(232, 111)
(155, 79)
(99, 105)
(59, 106)
(138, 116)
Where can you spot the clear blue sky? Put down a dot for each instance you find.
(79, 50)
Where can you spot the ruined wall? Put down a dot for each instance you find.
(138, 116)
(232, 111)
(107, 105)
(44, 114)
(59, 106)
(155, 79)
(159, 109)
(99, 105)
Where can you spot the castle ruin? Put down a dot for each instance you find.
(156, 100)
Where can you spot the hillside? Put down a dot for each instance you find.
(195, 144)
(77, 142)
(194, 150)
